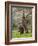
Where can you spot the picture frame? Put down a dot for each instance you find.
(20, 8)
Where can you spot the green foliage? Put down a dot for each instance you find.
(16, 34)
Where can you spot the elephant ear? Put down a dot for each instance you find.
(29, 18)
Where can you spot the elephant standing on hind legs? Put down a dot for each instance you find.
(24, 23)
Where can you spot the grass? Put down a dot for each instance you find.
(16, 34)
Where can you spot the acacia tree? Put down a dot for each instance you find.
(24, 22)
